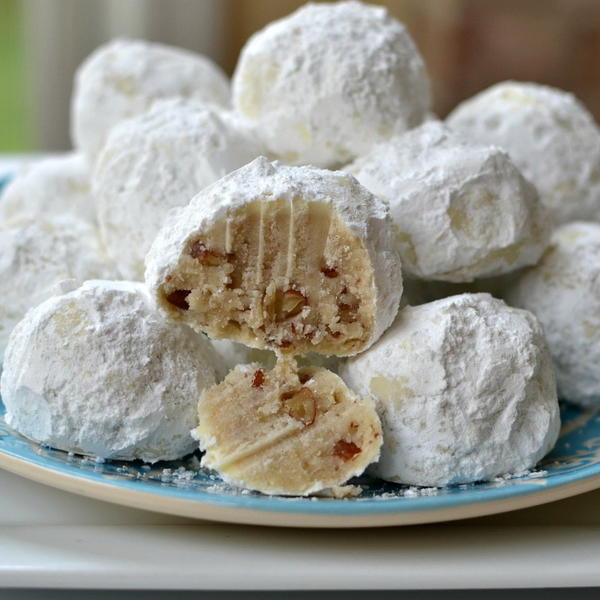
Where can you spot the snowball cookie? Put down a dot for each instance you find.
(99, 371)
(156, 161)
(465, 390)
(461, 211)
(286, 431)
(287, 258)
(54, 186)
(325, 83)
(35, 255)
(551, 137)
(124, 77)
(563, 291)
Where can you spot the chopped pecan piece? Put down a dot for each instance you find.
(330, 272)
(289, 304)
(285, 305)
(334, 334)
(259, 378)
(301, 405)
(345, 450)
(206, 257)
(304, 377)
(347, 306)
(178, 298)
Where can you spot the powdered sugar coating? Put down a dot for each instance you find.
(461, 210)
(53, 186)
(563, 291)
(156, 161)
(99, 371)
(35, 255)
(366, 216)
(465, 388)
(124, 77)
(326, 82)
(550, 136)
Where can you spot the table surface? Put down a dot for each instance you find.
(52, 539)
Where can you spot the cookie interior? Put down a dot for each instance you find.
(288, 430)
(282, 274)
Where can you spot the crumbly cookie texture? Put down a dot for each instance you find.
(550, 136)
(35, 255)
(563, 291)
(157, 161)
(461, 210)
(325, 83)
(54, 186)
(294, 259)
(290, 430)
(124, 77)
(99, 371)
(465, 390)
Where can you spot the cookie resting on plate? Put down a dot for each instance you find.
(465, 389)
(289, 430)
(99, 371)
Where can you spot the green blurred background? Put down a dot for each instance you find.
(15, 127)
(467, 45)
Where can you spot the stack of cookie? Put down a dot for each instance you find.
(247, 250)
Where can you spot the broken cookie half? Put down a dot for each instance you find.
(290, 430)
(295, 259)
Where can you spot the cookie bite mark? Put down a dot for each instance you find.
(299, 432)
